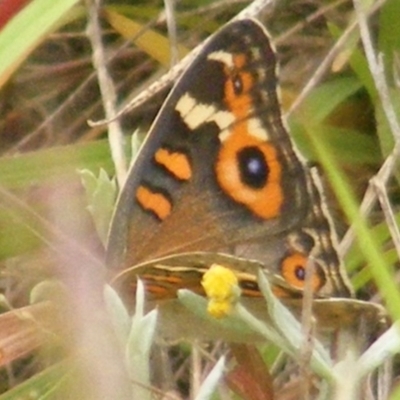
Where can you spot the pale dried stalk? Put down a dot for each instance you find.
(115, 134)
(172, 33)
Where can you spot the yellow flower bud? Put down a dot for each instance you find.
(222, 289)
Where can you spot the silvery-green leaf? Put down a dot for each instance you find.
(290, 328)
(138, 354)
(50, 289)
(198, 305)
(119, 315)
(384, 347)
(101, 193)
(210, 383)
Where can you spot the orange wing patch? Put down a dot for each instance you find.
(237, 88)
(176, 163)
(157, 203)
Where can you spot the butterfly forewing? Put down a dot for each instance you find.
(218, 172)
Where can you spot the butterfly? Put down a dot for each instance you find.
(218, 179)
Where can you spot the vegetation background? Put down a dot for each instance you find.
(340, 92)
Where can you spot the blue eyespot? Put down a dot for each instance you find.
(253, 167)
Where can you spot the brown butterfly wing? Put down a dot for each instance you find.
(219, 173)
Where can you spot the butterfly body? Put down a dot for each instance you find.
(219, 176)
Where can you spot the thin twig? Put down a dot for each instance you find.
(196, 362)
(307, 326)
(115, 134)
(211, 8)
(172, 34)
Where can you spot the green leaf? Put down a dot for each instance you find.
(44, 385)
(24, 32)
(327, 97)
(389, 33)
(154, 44)
(348, 146)
(20, 215)
(48, 165)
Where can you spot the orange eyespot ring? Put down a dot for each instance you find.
(293, 269)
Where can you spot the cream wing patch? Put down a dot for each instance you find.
(256, 130)
(223, 57)
(195, 114)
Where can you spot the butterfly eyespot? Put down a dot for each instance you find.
(237, 84)
(300, 273)
(253, 167)
(293, 269)
(249, 172)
